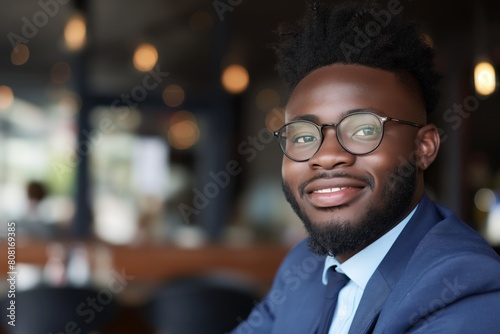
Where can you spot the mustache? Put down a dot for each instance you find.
(369, 180)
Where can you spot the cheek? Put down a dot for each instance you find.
(291, 171)
(389, 160)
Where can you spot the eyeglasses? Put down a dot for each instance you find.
(358, 133)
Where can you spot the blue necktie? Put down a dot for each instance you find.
(336, 281)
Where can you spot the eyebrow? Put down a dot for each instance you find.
(313, 118)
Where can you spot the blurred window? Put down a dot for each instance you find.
(37, 167)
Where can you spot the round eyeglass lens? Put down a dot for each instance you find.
(360, 133)
(300, 140)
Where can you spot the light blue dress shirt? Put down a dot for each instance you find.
(359, 268)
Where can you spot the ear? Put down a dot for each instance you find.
(427, 146)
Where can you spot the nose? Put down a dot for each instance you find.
(331, 154)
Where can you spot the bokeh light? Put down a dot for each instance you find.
(20, 54)
(484, 78)
(145, 57)
(484, 199)
(235, 79)
(6, 97)
(184, 131)
(173, 95)
(75, 33)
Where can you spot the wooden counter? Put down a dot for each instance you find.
(154, 263)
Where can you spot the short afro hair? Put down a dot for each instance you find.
(357, 33)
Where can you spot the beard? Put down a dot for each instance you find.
(338, 237)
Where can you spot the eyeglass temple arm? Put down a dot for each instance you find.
(404, 122)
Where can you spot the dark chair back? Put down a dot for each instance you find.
(195, 305)
(44, 310)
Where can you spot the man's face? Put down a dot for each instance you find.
(347, 201)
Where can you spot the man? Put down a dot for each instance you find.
(356, 144)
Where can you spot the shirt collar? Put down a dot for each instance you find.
(360, 267)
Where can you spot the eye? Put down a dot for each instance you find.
(304, 139)
(366, 132)
(302, 135)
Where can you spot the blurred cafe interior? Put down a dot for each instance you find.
(138, 166)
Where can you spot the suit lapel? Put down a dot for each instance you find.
(374, 297)
(392, 267)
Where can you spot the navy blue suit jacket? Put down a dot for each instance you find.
(440, 276)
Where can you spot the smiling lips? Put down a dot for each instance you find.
(322, 195)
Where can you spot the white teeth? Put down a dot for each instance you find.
(329, 190)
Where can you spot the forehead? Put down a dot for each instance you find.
(330, 91)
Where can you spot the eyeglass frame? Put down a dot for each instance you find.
(320, 127)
